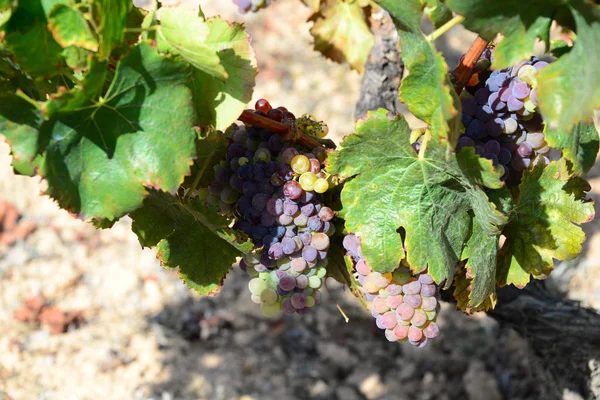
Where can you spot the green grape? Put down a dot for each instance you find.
(243, 161)
(257, 285)
(300, 164)
(321, 272)
(321, 185)
(270, 310)
(307, 180)
(314, 282)
(310, 301)
(262, 154)
(268, 296)
(527, 73)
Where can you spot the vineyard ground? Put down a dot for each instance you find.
(146, 336)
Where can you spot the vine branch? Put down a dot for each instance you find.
(463, 71)
(288, 131)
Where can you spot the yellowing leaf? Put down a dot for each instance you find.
(342, 34)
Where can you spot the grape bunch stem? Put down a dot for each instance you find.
(463, 71)
(250, 118)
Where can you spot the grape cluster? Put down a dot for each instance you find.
(273, 192)
(499, 113)
(403, 304)
(251, 5)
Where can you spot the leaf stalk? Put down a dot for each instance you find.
(445, 28)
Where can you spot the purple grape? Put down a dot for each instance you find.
(492, 146)
(525, 149)
(520, 90)
(491, 157)
(495, 127)
(315, 223)
(309, 253)
(465, 141)
(308, 209)
(495, 103)
(288, 245)
(292, 190)
(267, 219)
(326, 214)
(469, 106)
(484, 113)
(476, 129)
(276, 251)
(514, 104)
(306, 237)
(481, 96)
(504, 156)
(290, 207)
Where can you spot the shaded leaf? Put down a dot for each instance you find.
(211, 148)
(219, 103)
(580, 145)
(543, 224)
(342, 33)
(433, 198)
(463, 293)
(20, 122)
(520, 22)
(437, 11)
(191, 238)
(139, 134)
(69, 28)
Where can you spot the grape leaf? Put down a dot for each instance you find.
(211, 148)
(580, 146)
(433, 198)
(186, 34)
(341, 33)
(463, 293)
(425, 89)
(219, 103)
(437, 11)
(113, 18)
(568, 88)
(20, 122)
(69, 28)
(101, 156)
(521, 23)
(28, 38)
(189, 237)
(6, 10)
(543, 224)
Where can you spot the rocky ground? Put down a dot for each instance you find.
(141, 334)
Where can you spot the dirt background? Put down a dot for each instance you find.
(146, 336)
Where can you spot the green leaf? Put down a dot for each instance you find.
(568, 88)
(191, 238)
(7, 7)
(437, 11)
(406, 14)
(521, 23)
(186, 33)
(463, 294)
(342, 34)
(36, 51)
(113, 19)
(69, 28)
(543, 224)
(211, 148)
(580, 146)
(425, 90)
(101, 156)
(20, 122)
(219, 103)
(433, 198)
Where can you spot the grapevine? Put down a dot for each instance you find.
(144, 112)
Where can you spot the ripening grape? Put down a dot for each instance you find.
(268, 187)
(500, 107)
(404, 305)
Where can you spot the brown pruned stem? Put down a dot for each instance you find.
(285, 130)
(463, 71)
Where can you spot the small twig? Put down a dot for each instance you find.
(343, 313)
(285, 130)
(28, 99)
(445, 28)
(463, 71)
